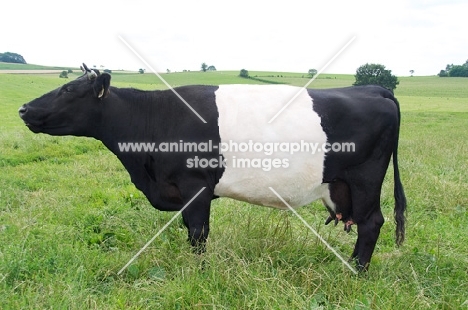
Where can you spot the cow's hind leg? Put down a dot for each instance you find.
(366, 212)
(368, 233)
(365, 182)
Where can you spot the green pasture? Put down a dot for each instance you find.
(70, 219)
(18, 66)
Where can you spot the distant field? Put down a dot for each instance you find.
(14, 66)
(70, 218)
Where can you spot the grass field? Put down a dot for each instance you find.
(70, 219)
(15, 66)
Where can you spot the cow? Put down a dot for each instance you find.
(222, 133)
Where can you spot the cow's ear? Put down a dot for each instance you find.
(101, 85)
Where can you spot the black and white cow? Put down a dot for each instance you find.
(238, 123)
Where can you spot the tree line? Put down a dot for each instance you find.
(455, 70)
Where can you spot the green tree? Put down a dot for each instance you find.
(244, 73)
(64, 74)
(141, 71)
(442, 73)
(458, 71)
(204, 66)
(12, 58)
(375, 74)
(455, 70)
(312, 72)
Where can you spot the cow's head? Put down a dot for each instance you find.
(73, 109)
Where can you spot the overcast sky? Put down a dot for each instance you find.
(292, 36)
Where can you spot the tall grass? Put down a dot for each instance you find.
(70, 219)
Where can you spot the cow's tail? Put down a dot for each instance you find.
(399, 193)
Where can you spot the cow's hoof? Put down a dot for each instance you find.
(360, 268)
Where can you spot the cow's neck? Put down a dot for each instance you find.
(128, 119)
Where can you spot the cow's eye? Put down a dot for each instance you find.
(68, 89)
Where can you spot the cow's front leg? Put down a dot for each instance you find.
(196, 218)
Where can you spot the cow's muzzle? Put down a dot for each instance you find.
(22, 111)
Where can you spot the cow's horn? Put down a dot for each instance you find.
(86, 67)
(91, 73)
